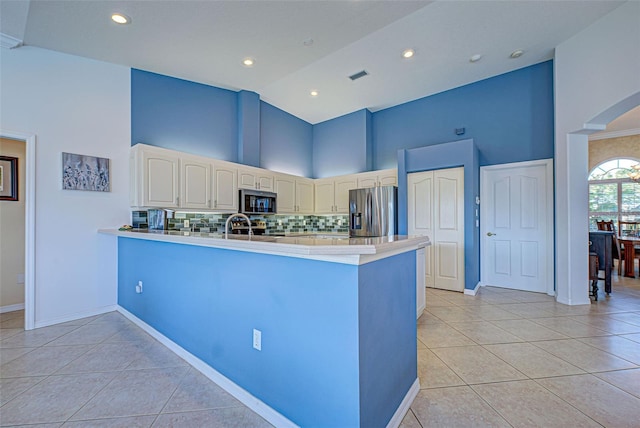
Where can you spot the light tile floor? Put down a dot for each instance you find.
(501, 358)
(104, 371)
(508, 358)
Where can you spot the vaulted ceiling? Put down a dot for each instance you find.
(305, 45)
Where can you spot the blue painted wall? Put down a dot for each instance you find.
(509, 117)
(249, 128)
(387, 303)
(181, 115)
(342, 145)
(439, 156)
(285, 142)
(313, 364)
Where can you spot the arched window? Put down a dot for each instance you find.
(612, 194)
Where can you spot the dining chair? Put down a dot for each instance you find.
(616, 249)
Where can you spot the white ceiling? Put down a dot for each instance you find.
(205, 41)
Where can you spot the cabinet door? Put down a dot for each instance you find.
(342, 187)
(265, 182)
(195, 182)
(388, 178)
(367, 180)
(286, 190)
(225, 188)
(247, 179)
(160, 181)
(324, 196)
(304, 196)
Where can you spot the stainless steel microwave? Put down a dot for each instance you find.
(257, 202)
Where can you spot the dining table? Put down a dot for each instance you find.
(629, 243)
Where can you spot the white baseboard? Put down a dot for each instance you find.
(403, 408)
(11, 308)
(218, 378)
(76, 316)
(474, 291)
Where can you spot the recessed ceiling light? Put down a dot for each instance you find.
(475, 58)
(248, 62)
(313, 93)
(408, 53)
(120, 18)
(516, 54)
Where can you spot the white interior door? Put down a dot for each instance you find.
(517, 226)
(436, 209)
(420, 215)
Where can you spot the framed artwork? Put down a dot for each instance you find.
(81, 172)
(8, 178)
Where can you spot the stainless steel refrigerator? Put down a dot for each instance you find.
(373, 211)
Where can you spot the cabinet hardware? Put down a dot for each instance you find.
(215, 203)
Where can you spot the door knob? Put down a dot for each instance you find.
(491, 234)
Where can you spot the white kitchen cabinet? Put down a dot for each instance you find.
(225, 186)
(325, 196)
(195, 183)
(295, 194)
(255, 178)
(154, 177)
(286, 190)
(304, 196)
(332, 194)
(384, 177)
(342, 187)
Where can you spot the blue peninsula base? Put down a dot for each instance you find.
(338, 339)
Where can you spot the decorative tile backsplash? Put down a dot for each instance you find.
(275, 223)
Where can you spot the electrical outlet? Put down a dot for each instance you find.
(186, 223)
(257, 339)
(139, 287)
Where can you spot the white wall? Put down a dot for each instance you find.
(12, 233)
(81, 106)
(595, 71)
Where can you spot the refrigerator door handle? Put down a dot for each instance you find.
(369, 211)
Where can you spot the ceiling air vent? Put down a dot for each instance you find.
(358, 75)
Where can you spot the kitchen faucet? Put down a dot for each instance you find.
(231, 217)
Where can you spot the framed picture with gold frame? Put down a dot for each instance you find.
(8, 178)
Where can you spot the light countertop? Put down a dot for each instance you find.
(331, 247)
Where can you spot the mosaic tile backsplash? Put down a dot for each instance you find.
(276, 224)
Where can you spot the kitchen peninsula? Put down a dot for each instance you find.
(336, 317)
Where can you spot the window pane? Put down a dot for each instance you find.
(603, 197)
(630, 197)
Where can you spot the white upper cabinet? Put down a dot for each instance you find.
(155, 177)
(384, 177)
(342, 187)
(332, 194)
(225, 186)
(195, 183)
(165, 178)
(304, 196)
(295, 194)
(255, 178)
(286, 190)
(325, 196)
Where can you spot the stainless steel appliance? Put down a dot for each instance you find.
(158, 218)
(257, 202)
(373, 211)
